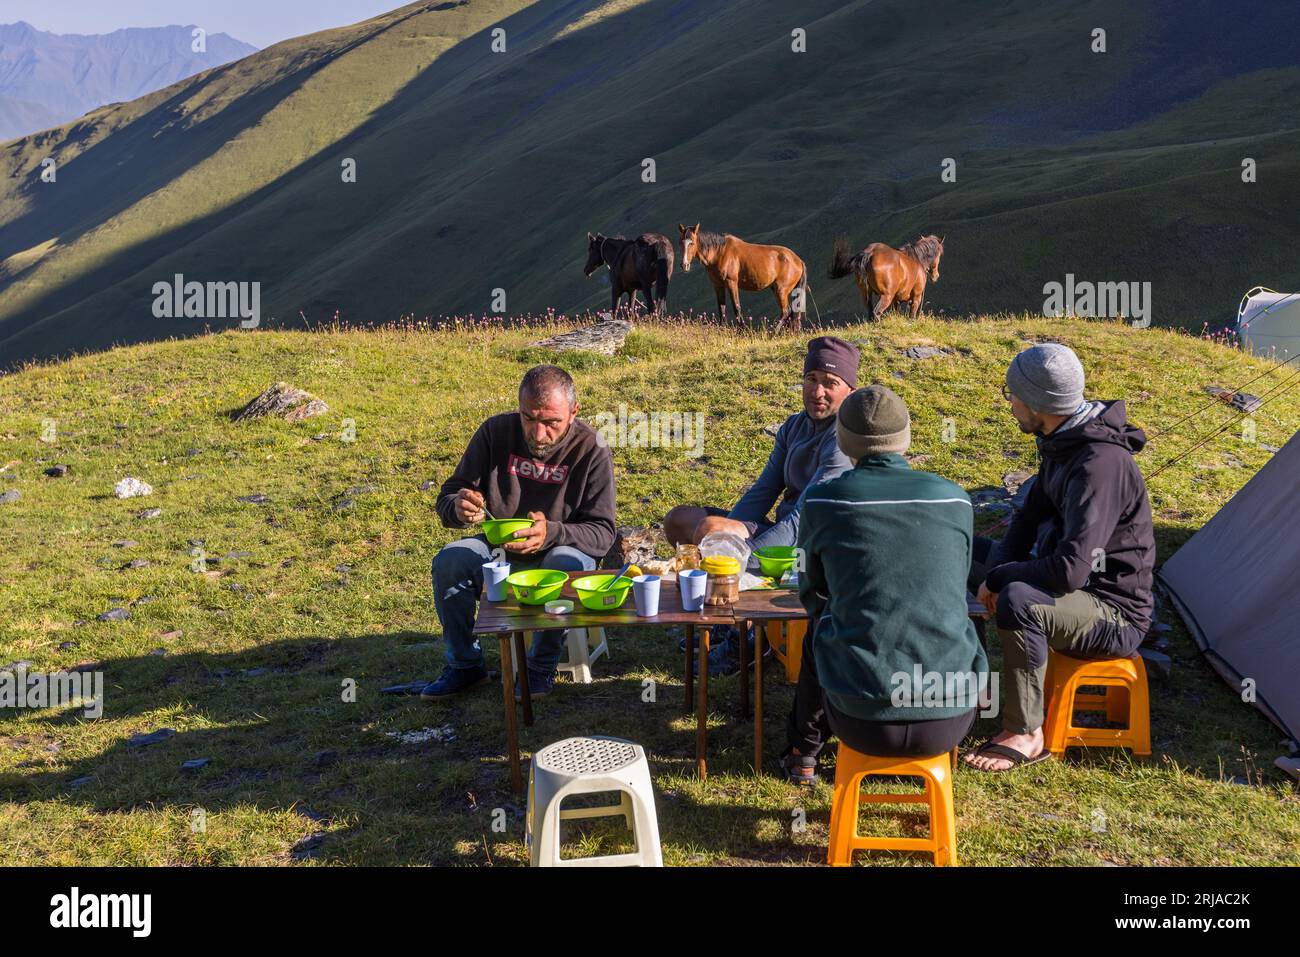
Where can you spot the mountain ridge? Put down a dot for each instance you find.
(479, 171)
(67, 75)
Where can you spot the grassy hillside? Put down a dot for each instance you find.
(246, 659)
(479, 170)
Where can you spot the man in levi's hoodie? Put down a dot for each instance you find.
(539, 462)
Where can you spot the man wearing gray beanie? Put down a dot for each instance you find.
(804, 453)
(1074, 571)
(886, 551)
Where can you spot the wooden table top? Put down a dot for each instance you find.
(509, 615)
(769, 604)
(772, 604)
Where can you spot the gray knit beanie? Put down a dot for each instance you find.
(873, 421)
(1048, 378)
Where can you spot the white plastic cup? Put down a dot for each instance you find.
(645, 593)
(494, 577)
(691, 583)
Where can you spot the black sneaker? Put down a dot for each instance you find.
(454, 681)
(539, 685)
(720, 635)
(724, 660)
(800, 769)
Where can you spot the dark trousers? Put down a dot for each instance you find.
(1030, 621)
(814, 719)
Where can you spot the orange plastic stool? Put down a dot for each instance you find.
(851, 767)
(1125, 698)
(785, 638)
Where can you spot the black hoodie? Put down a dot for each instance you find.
(1090, 490)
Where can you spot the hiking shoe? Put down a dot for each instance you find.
(724, 660)
(721, 634)
(539, 685)
(454, 681)
(799, 769)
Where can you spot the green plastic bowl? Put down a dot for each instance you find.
(775, 560)
(537, 586)
(501, 530)
(589, 592)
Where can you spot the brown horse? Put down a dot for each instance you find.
(893, 275)
(733, 264)
(644, 263)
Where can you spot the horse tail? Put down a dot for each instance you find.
(808, 296)
(842, 264)
(663, 271)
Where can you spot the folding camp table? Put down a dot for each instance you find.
(509, 620)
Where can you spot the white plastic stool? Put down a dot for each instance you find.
(581, 653)
(586, 766)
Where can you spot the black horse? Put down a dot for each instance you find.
(644, 263)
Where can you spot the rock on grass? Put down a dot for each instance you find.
(282, 401)
(132, 488)
(604, 338)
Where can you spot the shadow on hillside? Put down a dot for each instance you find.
(81, 204)
(41, 332)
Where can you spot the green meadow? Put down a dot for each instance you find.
(324, 584)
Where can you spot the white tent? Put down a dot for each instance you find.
(1268, 323)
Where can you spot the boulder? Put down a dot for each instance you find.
(282, 401)
(926, 352)
(604, 337)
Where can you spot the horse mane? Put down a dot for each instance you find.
(710, 241)
(924, 250)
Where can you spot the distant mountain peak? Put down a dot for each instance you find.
(49, 78)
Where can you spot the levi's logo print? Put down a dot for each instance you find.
(538, 471)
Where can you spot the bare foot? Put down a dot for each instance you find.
(1030, 745)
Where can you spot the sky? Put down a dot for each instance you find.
(259, 22)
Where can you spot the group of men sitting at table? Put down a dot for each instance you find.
(888, 551)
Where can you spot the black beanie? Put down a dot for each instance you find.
(833, 355)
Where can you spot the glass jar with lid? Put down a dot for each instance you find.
(723, 584)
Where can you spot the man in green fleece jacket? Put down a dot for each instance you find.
(892, 664)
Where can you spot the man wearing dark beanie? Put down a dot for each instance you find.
(804, 453)
(886, 550)
(1074, 571)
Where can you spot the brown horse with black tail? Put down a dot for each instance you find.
(733, 264)
(890, 275)
(644, 263)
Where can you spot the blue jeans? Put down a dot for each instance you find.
(458, 581)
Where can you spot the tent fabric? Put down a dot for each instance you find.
(1236, 584)
(1268, 323)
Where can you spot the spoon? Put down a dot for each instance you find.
(609, 584)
